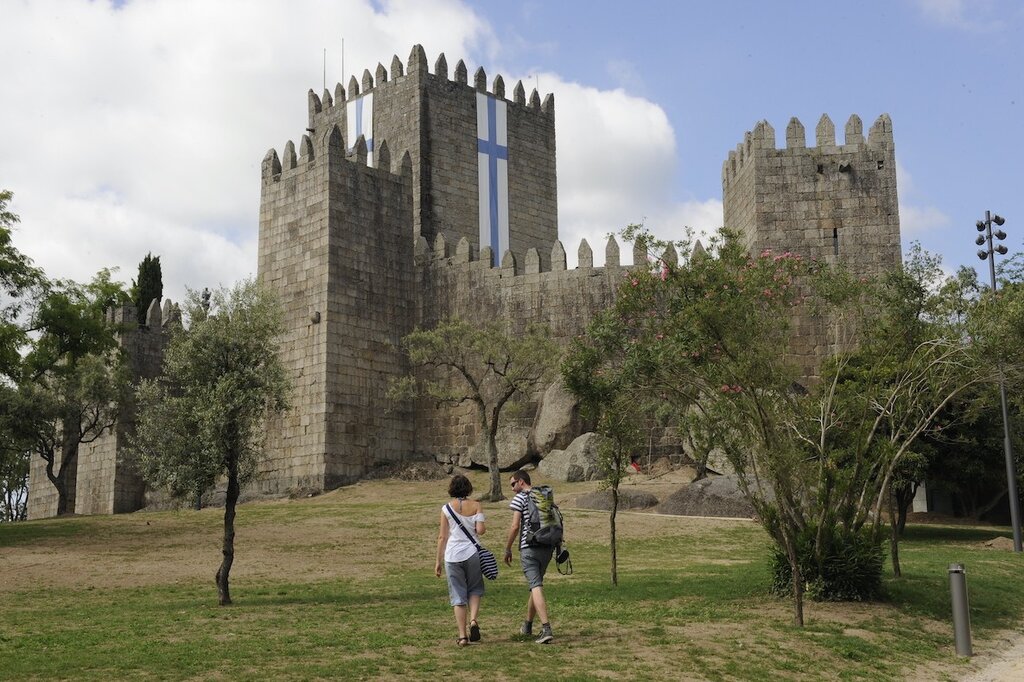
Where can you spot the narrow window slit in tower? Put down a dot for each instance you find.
(835, 241)
(821, 168)
(881, 164)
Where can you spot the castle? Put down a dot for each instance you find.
(415, 196)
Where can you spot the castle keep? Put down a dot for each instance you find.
(415, 196)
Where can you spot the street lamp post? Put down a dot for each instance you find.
(989, 253)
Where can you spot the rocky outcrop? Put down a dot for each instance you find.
(578, 462)
(513, 451)
(711, 496)
(558, 421)
(628, 499)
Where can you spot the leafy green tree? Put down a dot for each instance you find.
(60, 410)
(622, 438)
(205, 417)
(15, 455)
(714, 338)
(70, 381)
(149, 286)
(18, 280)
(457, 363)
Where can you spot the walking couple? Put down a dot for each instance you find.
(457, 555)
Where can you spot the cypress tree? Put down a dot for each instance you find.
(149, 285)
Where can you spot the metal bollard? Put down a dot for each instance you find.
(961, 609)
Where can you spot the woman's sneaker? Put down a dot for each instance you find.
(545, 635)
(527, 628)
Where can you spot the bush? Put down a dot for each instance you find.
(850, 570)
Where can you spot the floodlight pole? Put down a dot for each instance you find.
(1011, 467)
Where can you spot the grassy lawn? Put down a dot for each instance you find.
(342, 586)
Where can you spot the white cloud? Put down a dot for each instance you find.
(915, 219)
(980, 16)
(616, 159)
(142, 128)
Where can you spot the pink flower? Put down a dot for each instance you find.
(725, 388)
(635, 282)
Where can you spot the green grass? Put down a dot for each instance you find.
(692, 602)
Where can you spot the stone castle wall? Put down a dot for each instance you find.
(517, 294)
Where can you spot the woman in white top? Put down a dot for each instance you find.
(461, 562)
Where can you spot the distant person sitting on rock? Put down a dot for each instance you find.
(634, 461)
(459, 553)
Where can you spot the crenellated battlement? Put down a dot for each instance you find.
(322, 108)
(441, 255)
(760, 141)
(332, 145)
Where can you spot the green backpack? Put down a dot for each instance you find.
(545, 517)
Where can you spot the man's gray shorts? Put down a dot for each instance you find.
(535, 562)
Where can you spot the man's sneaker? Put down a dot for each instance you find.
(545, 635)
(527, 628)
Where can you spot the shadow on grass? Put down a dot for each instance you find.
(930, 533)
(25, 532)
(993, 576)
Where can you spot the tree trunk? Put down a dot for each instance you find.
(894, 540)
(798, 581)
(495, 493)
(904, 500)
(615, 509)
(223, 573)
(67, 474)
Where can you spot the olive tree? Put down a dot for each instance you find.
(205, 417)
(456, 363)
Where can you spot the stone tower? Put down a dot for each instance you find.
(831, 203)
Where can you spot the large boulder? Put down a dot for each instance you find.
(513, 452)
(629, 498)
(557, 422)
(710, 496)
(578, 462)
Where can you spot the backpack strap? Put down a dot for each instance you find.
(464, 529)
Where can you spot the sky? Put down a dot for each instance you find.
(138, 126)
